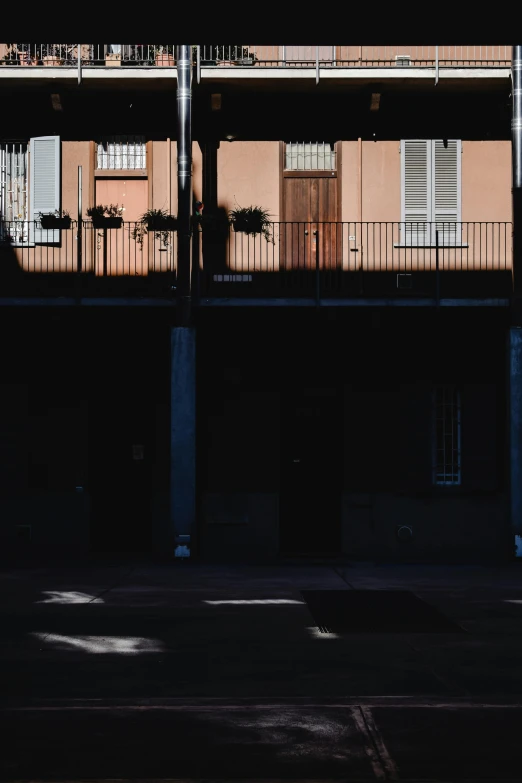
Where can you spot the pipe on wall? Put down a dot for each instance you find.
(169, 176)
(184, 99)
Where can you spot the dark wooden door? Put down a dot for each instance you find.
(311, 234)
(311, 469)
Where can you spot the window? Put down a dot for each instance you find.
(431, 192)
(310, 156)
(121, 152)
(29, 184)
(446, 446)
(13, 189)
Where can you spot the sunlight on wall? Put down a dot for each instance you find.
(71, 597)
(256, 601)
(316, 633)
(101, 644)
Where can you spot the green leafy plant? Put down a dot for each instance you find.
(60, 218)
(110, 210)
(252, 221)
(158, 221)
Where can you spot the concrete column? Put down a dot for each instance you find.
(183, 437)
(515, 432)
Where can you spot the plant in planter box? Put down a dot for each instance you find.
(232, 54)
(108, 216)
(157, 221)
(55, 220)
(54, 54)
(164, 54)
(27, 53)
(252, 221)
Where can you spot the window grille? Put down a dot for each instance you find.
(13, 190)
(121, 152)
(310, 156)
(447, 432)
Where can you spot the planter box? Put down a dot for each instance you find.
(26, 60)
(107, 222)
(226, 63)
(51, 222)
(52, 61)
(164, 224)
(248, 226)
(113, 59)
(163, 60)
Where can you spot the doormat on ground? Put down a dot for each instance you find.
(375, 611)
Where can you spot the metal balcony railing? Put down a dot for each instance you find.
(43, 54)
(290, 259)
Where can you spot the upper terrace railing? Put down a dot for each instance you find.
(317, 260)
(42, 54)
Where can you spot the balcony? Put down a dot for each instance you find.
(312, 262)
(253, 62)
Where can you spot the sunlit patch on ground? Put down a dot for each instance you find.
(69, 597)
(317, 634)
(120, 645)
(244, 601)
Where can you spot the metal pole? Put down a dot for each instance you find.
(436, 65)
(516, 158)
(79, 64)
(198, 62)
(317, 65)
(184, 96)
(437, 272)
(79, 231)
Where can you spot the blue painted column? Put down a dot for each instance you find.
(183, 438)
(515, 432)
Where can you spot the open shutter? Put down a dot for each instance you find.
(446, 157)
(44, 154)
(416, 191)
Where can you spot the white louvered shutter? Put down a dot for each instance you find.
(44, 154)
(446, 158)
(416, 191)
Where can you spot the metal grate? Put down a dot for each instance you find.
(310, 156)
(13, 190)
(121, 152)
(447, 451)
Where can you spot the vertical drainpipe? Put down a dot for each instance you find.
(184, 96)
(515, 333)
(516, 140)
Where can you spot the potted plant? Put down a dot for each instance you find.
(27, 53)
(108, 216)
(55, 220)
(164, 55)
(251, 221)
(113, 55)
(54, 54)
(232, 55)
(157, 221)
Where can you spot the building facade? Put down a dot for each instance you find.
(347, 393)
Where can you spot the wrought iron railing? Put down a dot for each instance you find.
(289, 258)
(452, 56)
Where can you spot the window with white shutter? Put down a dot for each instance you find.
(44, 178)
(430, 191)
(13, 192)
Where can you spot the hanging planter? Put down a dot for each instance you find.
(251, 221)
(158, 222)
(55, 220)
(106, 216)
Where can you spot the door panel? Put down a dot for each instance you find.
(310, 499)
(118, 253)
(310, 204)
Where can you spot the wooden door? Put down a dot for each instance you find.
(311, 236)
(122, 255)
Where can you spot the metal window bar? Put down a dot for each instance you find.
(310, 156)
(447, 447)
(121, 152)
(13, 191)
